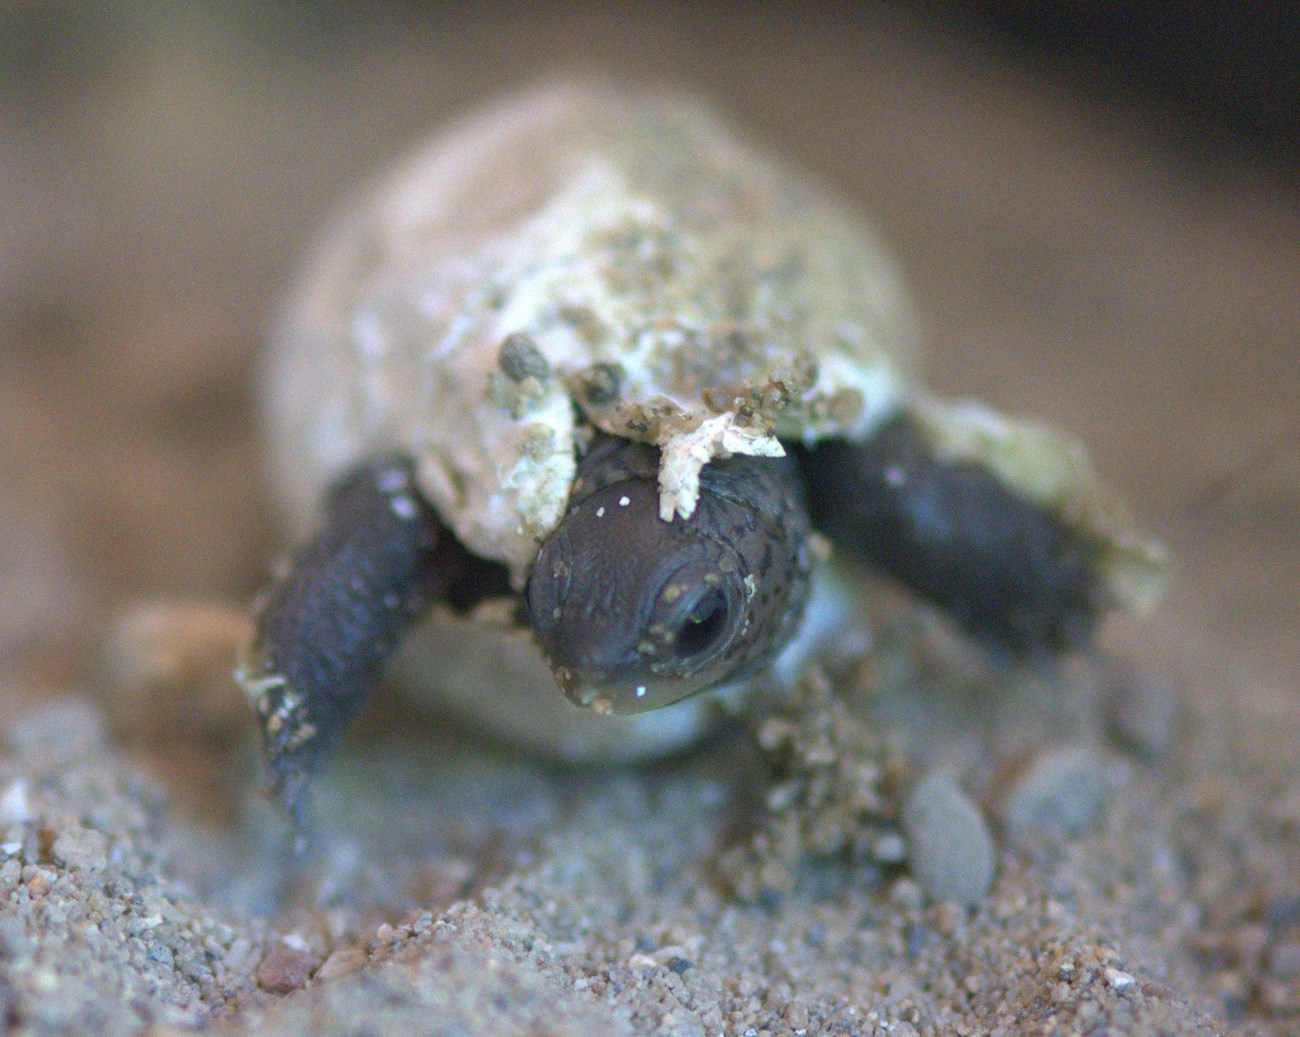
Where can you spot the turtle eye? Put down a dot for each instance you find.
(703, 626)
(694, 622)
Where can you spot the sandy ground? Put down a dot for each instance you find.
(158, 171)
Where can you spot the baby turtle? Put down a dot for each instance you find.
(574, 384)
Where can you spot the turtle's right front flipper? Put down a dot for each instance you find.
(1002, 522)
(326, 628)
(1010, 573)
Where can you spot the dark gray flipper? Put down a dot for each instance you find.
(324, 631)
(1009, 573)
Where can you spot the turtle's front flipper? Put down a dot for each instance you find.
(1006, 570)
(325, 629)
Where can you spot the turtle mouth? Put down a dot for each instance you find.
(626, 697)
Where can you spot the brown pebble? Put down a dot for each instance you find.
(945, 918)
(38, 886)
(165, 672)
(343, 961)
(1281, 999)
(284, 968)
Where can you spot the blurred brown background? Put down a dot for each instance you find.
(1096, 208)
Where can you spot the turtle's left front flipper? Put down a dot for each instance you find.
(325, 629)
(1000, 522)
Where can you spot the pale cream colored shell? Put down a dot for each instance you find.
(609, 228)
(654, 277)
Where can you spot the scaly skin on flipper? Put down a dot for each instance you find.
(325, 630)
(1006, 571)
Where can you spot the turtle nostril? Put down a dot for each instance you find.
(561, 578)
(547, 592)
(564, 678)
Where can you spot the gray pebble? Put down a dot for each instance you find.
(520, 358)
(81, 849)
(1062, 790)
(949, 844)
(1141, 711)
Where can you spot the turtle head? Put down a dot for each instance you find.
(634, 612)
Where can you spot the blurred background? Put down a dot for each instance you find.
(1095, 205)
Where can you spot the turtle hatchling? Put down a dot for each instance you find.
(589, 392)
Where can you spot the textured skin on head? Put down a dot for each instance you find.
(1005, 570)
(614, 589)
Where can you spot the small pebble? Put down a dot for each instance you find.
(906, 894)
(1118, 979)
(1282, 911)
(1284, 960)
(15, 809)
(889, 849)
(949, 843)
(284, 968)
(10, 873)
(343, 961)
(1062, 790)
(519, 358)
(81, 849)
(1141, 711)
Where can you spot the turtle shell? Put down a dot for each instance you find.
(585, 257)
